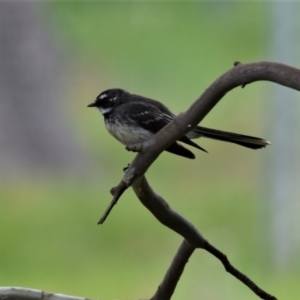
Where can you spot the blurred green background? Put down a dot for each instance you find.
(170, 52)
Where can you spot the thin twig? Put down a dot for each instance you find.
(117, 193)
(237, 274)
(118, 190)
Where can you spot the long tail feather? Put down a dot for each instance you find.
(240, 139)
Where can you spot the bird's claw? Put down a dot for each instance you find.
(134, 147)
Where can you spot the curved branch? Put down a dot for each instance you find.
(165, 214)
(240, 75)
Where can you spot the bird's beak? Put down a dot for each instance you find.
(92, 104)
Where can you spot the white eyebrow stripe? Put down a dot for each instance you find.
(103, 96)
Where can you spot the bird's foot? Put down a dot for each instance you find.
(134, 147)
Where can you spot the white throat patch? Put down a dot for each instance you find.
(104, 110)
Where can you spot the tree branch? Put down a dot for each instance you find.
(168, 285)
(16, 293)
(117, 193)
(236, 273)
(163, 213)
(240, 75)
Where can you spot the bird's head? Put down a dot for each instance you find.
(108, 99)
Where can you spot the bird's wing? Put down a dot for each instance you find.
(147, 116)
(153, 119)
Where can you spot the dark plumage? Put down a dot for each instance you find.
(132, 119)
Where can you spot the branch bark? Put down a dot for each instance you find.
(17, 293)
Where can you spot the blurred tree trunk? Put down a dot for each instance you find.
(34, 132)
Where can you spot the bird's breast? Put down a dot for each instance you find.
(127, 134)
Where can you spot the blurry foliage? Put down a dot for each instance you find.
(171, 52)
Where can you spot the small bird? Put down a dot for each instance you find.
(133, 119)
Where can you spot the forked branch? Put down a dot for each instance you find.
(163, 213)
(240, 75)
